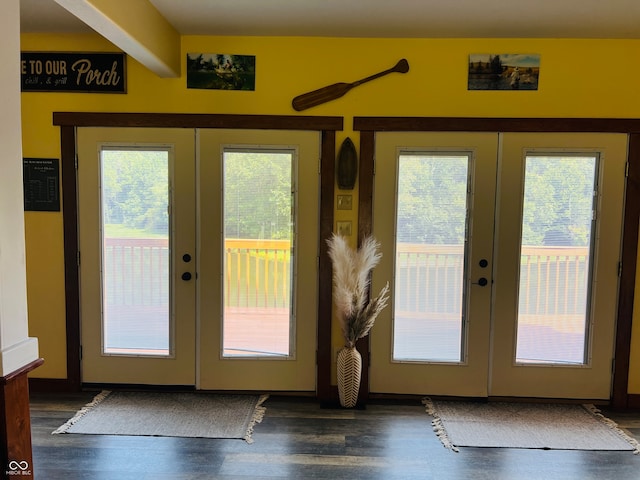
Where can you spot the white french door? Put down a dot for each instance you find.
(191, 250)
(503, 253)
(258, 244)
(136, 216)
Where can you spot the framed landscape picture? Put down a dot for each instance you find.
(221, 71)
(504, 71)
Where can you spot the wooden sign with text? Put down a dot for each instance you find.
(73, 72)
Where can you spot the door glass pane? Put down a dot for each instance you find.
(258, 247)
(135, 251)
(556, 258)
(431, 226)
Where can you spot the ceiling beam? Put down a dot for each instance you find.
(136, 27)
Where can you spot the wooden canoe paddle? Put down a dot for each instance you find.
(337, 90)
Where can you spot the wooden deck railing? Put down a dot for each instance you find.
(136, 271)
(554, 280)
(257, 272)
(429, 278)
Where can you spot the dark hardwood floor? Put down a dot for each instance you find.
(298, 440)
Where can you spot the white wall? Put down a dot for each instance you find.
(16, 349)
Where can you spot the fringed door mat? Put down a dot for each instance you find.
(201, 415)
(525, 425)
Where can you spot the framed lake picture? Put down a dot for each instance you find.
(507, 71)
(221, 71)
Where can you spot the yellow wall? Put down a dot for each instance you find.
(579, 78)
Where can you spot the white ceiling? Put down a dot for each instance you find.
(375, 18)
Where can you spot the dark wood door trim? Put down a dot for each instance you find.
(71, 253)
(474, 124)
(325, 393)
(365, 228)
(197, 120)
(69, 121)
(368, 126)
(620, 393)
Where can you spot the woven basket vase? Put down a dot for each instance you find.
(349, 372)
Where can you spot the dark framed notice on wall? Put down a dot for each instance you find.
(73, 72)
(41, 179)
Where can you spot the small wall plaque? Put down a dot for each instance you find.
(344, 229)
(345, 202)
(41, 178)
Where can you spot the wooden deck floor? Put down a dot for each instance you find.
(265, 331)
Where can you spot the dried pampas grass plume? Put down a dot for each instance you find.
(351, 277)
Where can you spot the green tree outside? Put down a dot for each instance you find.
(135, 190)
(432, 196)
(558, 200)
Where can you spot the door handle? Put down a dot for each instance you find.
(483, 282)
(186, 276)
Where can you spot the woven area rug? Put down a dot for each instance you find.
(200, 415)
(523, 425)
